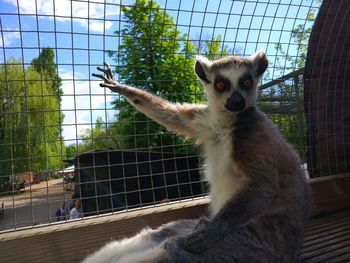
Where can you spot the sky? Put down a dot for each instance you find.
(80, 31)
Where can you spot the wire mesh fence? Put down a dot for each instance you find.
(63, 138)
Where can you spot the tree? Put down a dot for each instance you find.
(213, 48)
(155, 57)
(71, 151)
(45, 64)
(12, 121)
(98, 138)
(30, 120)
(44, 123)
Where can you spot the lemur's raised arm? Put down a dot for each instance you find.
(183, 119)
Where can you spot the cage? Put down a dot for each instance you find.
(53, 114)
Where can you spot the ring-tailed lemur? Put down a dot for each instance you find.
(259, 197)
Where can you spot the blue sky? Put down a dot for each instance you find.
(80, 31)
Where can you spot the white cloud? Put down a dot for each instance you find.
(77, 105)
(9, 37)
(99, 27)
(68, 8)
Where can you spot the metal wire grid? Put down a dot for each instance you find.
(80, 32)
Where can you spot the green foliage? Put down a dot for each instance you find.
(212, 49)
(45, 64)
(71, 151)
(155, 57)
(98, 138)
(30, 121)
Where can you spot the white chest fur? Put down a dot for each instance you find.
(221, 171)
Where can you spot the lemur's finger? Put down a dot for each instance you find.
(113, 87)
(101, 69)
(100, 77)
(108, 69)
(105, 71)
(106, 64)
(108, 72)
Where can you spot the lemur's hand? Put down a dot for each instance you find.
(202, 238)
(109, 80)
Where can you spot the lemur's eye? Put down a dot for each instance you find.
(246, 82)
(220, 85)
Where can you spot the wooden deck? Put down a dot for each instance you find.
(327, 238)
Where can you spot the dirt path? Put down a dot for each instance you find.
(35, 205)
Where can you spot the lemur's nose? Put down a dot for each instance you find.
(235, 103)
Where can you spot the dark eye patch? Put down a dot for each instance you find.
(221, 84)
(246, 82)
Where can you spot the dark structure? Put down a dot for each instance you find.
(327, 90)
(109, 181)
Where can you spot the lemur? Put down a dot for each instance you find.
(260, 200)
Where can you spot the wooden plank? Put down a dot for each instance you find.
(329, 231)
(330, 194)
(317, 222)
(293, 74)
(314, 228)
(327, 254)
(329, 241)
(326, 226)
(73, 241)
(344, 258)
(326, 241)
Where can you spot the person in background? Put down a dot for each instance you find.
(61, 212)
(71, 202)
(76, 210)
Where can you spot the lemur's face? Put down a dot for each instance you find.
(231, 82)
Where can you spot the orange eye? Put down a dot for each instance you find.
(220, 85)
(247, 83)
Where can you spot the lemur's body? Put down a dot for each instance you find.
(259, 198)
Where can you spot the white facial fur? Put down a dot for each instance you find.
(233, 73)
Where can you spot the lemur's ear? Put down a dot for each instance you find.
(260, 62)
(201, 68)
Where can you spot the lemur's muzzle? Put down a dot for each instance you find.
(235, 103)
